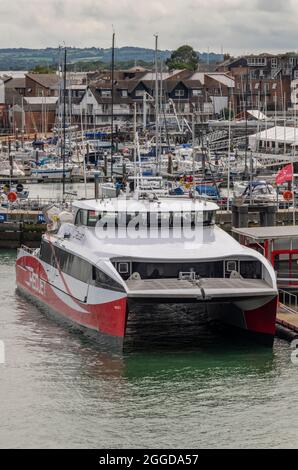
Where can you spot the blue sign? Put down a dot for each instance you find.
(3, 218)
(41, 219)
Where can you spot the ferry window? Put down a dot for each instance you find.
(80, 269)
(46, 252)
(153, 219)
(73, 265)
(251, 269)
(82, 217)
(104, 281)
(294, 266)
(123, 268)
(172, 270)
(208, 218)
(62, 258)
(188, 218)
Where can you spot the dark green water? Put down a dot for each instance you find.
(58, 390)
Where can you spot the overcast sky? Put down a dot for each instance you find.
(238, 26)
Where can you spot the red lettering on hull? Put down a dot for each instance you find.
(107, 318)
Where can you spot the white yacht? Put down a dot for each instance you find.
(52, 171)
(111, 254)
(5, 170)
(256, 191)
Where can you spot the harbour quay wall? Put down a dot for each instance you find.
(20, 227)
(15, 234)
(255, 218)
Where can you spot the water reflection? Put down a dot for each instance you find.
(60, 389)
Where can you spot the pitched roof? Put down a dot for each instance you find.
(42, 100)
(15, 83)
(150, 84)
(193, 83)
(118, 99)
(222, 78)
(12, 97)
(128, 85)
(137, 68)
(47, 80)
(175, 74)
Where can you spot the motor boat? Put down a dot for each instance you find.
(52, 171)
(6, 171)
(256, 191)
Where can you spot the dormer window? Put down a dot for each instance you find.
(105, 92)
(179, 93)
(140, 93)
(124, 93)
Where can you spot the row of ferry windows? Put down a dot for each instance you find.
(77, 267)
(147, 219)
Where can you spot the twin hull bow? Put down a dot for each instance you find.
(105, 313)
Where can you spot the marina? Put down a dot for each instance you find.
(148, 229)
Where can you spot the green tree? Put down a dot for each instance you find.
(183, 58)
(226, 113)
(44, 69)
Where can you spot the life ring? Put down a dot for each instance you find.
(12, 197)
(288, 195)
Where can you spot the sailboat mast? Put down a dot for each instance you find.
(156, 103)
(64, 122)
(112, 113)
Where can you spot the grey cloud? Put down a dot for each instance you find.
(274, 5)
(238, 25)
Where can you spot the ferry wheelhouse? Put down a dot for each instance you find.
(116, 253)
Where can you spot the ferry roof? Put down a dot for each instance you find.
(144, 205)
(210, 243)
(268, 233)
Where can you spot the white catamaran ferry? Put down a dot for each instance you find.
(116, 253)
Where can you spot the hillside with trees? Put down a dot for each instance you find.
(85, 58)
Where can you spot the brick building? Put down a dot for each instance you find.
(262, 81)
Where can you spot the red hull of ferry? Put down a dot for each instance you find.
(107, 318)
